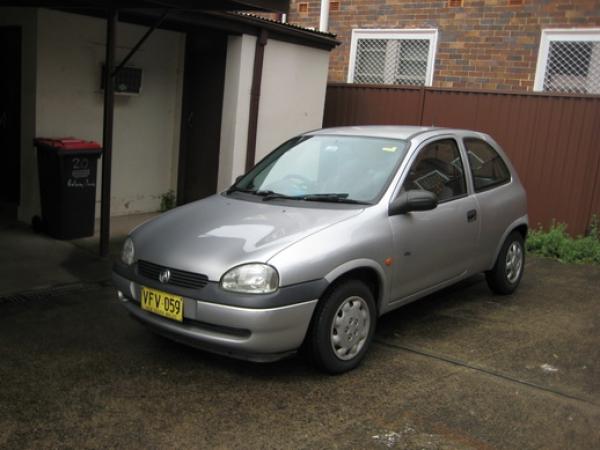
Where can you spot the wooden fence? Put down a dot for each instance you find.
(553, 140)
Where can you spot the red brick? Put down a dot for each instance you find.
(480, 31)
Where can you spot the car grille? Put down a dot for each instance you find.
(178, 277)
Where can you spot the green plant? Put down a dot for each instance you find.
(167, 201)
(594, 226)
(557, 243)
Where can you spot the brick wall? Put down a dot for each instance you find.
(487, 44)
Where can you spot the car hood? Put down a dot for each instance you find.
(212, 235)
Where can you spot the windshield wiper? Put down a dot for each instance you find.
(326, 197)
(323, 197)
(238, 189)
(338, 198)
(266, 194)
(270, 195)
(251, 191)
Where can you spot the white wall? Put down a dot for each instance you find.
(236, 108)
(70, 51)
(292, 95)
(62, 57)
(26, 18)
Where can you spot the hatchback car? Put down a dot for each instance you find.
(328, 232)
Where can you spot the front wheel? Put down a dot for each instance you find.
(506, 275)
(343, 327)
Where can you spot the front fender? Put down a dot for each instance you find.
(362, 263)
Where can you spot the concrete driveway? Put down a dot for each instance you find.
(460, 369)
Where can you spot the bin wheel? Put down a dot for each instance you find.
(37, 224)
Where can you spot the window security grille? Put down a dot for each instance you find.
(392, 61)
(573, 67)
(569, 61)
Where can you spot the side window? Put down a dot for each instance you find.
(487, 167)
(438, 169)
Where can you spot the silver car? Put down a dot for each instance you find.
(328, 232)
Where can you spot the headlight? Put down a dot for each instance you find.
(251, 279)
(128, 252)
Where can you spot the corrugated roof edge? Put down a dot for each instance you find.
(328, 39)
(286, 24)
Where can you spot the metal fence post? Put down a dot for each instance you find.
(107, 131)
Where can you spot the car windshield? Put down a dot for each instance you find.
(347, 169)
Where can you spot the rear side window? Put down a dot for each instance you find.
(487, 167)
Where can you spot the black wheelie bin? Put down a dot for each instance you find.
(67, 174)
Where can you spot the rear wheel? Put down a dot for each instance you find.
(343, 327)
(506, 275)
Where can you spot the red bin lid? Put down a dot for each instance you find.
(68, 143)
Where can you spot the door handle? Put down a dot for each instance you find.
(471, 215)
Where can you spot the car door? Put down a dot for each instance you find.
(436, 246)
(495, 194)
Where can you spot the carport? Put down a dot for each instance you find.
(212, 20)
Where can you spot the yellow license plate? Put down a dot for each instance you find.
(162, 303)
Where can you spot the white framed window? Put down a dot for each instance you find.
(569, 61)
(386, 56)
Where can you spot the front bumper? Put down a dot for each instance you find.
(256, 334)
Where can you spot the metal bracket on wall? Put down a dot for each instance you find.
(143, 39)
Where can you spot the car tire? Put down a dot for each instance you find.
(342, 327)
(506, 275)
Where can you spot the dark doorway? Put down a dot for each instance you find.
(10, 120)
(203, 84)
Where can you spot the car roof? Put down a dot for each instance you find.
(386, 131)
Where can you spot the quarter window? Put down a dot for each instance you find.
(438, 169)
(487, 167)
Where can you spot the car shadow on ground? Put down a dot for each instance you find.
(410, 317)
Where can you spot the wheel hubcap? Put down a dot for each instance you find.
(514, 262)
(350, 328)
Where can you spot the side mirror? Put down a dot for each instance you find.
(415, 200)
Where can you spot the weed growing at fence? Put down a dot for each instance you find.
(556, 243)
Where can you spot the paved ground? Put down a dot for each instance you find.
(30, 261)
(461, 369)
